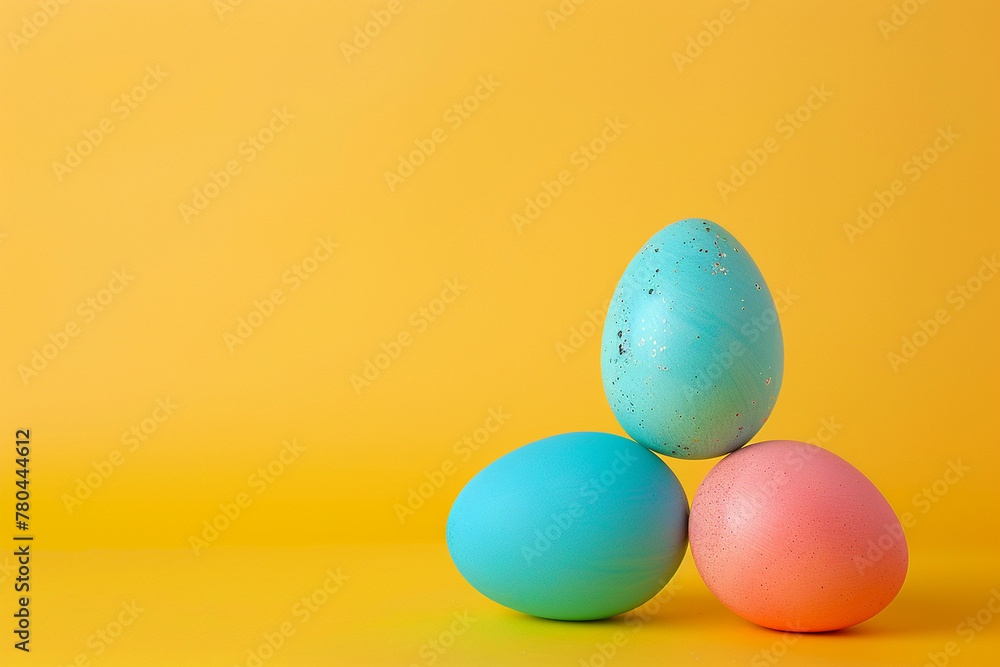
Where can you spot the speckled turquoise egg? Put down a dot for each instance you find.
(691, 354)
(577, 526)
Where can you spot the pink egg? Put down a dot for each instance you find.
(793, 537)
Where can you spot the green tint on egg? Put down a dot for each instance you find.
(577, 526)
(691, 354)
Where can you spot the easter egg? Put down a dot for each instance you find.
(577, 526)
(691, 353)
(792, 537)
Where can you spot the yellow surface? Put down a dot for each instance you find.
(137, 301)
(404, 605)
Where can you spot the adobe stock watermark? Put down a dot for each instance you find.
(7, 568)
(131, 439)
(435, 647)
(121, 108)
(581, 158)
(103, 638)
(923, 502)
(302, 611)
(259, 481)
(786, 126)
(370, 30)
(914, 168)
(595, 487)
(293, 277)
(971, 627)
(562, 12)
(580, 333)
(464, 449)
(634, 622)
(419, 321)
(32, 23)
(454, 116)
(899, 16)
(751, 332)
(714, 27)
(223, 7)
(247, 151)
(956, 299)
(87, 311)
(750, 503)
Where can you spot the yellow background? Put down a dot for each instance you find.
(848, 302)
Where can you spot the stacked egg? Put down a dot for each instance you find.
(589, 525)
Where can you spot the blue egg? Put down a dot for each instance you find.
(577, 526)
(691, 354)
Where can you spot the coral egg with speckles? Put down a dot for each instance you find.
(792, 537)
(691, 354)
